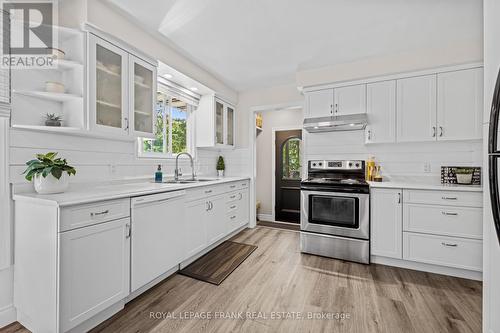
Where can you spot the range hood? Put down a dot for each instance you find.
(350, 122)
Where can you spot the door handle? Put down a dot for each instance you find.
(449, 244)
(208, 206)
(399, 197)
(126, 124)
(449, 214)
(433, 131)
(128, 230)
(369, 135)
(336, 108)
(331, 108)
(440, 131)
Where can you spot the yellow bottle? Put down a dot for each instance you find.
(370, 168)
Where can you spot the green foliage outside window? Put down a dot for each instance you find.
(291, 159)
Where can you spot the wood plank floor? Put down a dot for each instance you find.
(278, 278)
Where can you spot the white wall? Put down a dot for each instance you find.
(397, 160)
(271, 120)
(282, 94)
(491, 248)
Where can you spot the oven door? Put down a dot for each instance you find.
(335, 213)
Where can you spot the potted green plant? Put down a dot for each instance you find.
(464, 175)
(52, 120)
(49, 174)
(220, 166)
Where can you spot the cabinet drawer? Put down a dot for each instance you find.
(236, 185)
(444, 220)
(232, 206)
(78, 216)
(448, 198)
(445, 251)
(203, 192)
(233, 196)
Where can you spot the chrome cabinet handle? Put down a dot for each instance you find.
(128, 231)
(232, 207)
(369, 135)
(241, 196)
(449, 214)
(208, 206)
(449, 244)
(127, 125)
(99, 213)
(208, 191)
(433, 131)
(331, 108)
(449, 198)
(233, 196)
(441, 131)
(233, 217)
(336, 108)
(232, 186)
(399, 197)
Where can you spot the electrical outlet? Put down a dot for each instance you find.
(427, 167)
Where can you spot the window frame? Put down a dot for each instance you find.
(190, 132)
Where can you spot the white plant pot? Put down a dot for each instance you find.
(464, 178)
(220, 173)
(50, 184)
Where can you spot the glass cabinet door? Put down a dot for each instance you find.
(219, 123)
(143, 86)
(230, 126)
(108, 85)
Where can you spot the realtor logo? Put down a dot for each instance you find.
(29, 36)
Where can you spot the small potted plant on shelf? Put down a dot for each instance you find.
(220, 166)
(464, 175)
(52, 120)
(49, 174)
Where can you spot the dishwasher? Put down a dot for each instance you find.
(157, 235)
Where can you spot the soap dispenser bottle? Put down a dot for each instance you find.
(158, 175)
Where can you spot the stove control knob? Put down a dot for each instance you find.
(350, 164)
(320, 164)
(357, 165)
(314, 164)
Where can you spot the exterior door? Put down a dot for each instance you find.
(288, 146)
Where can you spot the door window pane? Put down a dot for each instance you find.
(290, 152)
(230, 126)
(108, 87)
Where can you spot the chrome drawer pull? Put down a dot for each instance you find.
(449, 198)
(232, 197)
(101, 213)
(233, 217)
(128, 231)
(209, 191)
(232, 207)
(449, 244)
(232, 186)
(449, 214)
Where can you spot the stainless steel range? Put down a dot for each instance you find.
(335, 211)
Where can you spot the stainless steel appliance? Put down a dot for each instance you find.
(335, 211)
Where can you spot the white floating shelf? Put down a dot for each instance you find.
(107, 71)
(143, 113)
(58, 97)
(142, 85)
(42, 128)
(74, 131)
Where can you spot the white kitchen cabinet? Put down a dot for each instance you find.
(196, 227)
(216, 219)
(122, 90)
(336, 102)
(416, 109)
(94, 270)
(108, 87)
(386, 222)
(460, 105)
(381, 110)
(215, 123)
(157, 236)
(237, 208)
(142, 87)
(319, 103)
(350, 100)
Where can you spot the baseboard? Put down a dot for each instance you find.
(265, 217)
(418, 266)
(8, 315)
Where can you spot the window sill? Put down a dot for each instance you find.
(159, 156)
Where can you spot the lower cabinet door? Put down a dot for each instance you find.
(386, 222)
(94, 270)
(216, 221)
(196, 227)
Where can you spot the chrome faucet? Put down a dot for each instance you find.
(178, 171)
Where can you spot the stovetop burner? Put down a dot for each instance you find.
(336, 181)
(336, 175)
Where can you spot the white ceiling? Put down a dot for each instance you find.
(251, 43)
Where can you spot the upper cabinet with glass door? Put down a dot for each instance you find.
(214, 123)
(121, 90)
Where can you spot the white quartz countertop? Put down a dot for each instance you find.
(424, 186)
(80, 194)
